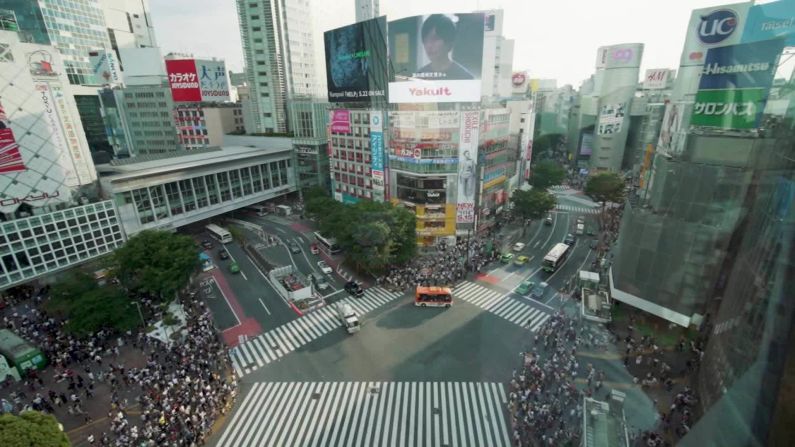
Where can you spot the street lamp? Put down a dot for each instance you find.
(140, 314)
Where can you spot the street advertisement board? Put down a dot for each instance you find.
(105, 66)
(424, 120)
(713, 27)
(213, 81)
(770, 21)
(673, 132)
(183, 81)
(658, 78)
(376, 141)
(356, 61)
(519, 83)
(611, 118)
(436, 58)
(735, 83)
(467, 167)
(340, 121)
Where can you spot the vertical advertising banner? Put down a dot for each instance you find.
(183, 80)
(586, 144)
(356, 61)
(611, 119)
(377, 154)
(673, 132)
(467, 166)
(106, 67)
(78, 153)
(713, 27)
(735, 83)
(58, 139)
(213, 83)
(10, 157)
(436, 58)
(340, 121)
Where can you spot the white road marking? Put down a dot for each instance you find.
(263, 305)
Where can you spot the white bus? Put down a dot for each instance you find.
(260, 210)
(328, 245)
(556, 257)
(219, 234)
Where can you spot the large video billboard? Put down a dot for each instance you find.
(197, 80)
(467, 167)
(735, 83)
(356, 61)
(436, 58)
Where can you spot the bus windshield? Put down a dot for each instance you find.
(433, 297)
(556, 257)
(328, 245)
(221, 235)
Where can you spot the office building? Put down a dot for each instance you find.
(279, 49)
(202, 125)
(129, 24)
(166, 192)
(46, 193)
(367, 9)
(350, 157)
(497, 57)
(310, 142)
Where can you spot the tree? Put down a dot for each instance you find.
(88, 307)
(31, 428)
(547, 173)
(606, 187)
(157, 262)
(533, 204)
(546, 143)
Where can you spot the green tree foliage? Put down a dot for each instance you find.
(547, 173)
(606, 187)
(158, 262)
(372, 234)
(31, 428)
(89, 307)
(533, 204)
(544, 144)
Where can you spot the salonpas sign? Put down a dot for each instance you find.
(729, 108)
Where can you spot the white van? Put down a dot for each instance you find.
(348, 317)
(580, 229)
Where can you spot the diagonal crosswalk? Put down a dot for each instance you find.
(275, 343)
(502, 305)
(370, 414)
(577, 209)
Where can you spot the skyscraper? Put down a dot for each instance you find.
(279, 49)
(366, 10)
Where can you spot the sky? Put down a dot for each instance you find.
(551, 41)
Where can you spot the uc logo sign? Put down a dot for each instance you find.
(375, 120)
(717, 26)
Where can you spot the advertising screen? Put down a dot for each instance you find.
(611, 118)
(673, 132)
(213, 82)
(735, 83)
(586, 143)
(436, 58)
(356, 61)
(467, 167)
(340, 121)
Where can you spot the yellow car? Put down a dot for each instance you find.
(521, 260)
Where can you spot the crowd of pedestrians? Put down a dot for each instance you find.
(444, 266)
(545, 404)
(174, 397)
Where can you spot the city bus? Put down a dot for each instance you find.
(433, 297)
(328, 245)
(221, 235)
(556, 257)
(259, 210)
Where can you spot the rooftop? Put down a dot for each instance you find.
(603, 427)
(132, 168)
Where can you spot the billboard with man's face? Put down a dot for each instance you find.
(356, 62)
(436, 58)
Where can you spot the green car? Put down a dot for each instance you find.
(234, 268)
(506, 258)
(525, 287)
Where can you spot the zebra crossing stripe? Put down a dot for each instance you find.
(503, 306)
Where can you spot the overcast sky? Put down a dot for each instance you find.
(553, 38)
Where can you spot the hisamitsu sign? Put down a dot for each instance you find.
(748, 65)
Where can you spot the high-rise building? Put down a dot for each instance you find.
(280, 59)
(366, 10)
(310, 142)
(497, 57)
(129, 24)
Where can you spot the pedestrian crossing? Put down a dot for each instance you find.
(365, 414)
(577, 209)
(251, 355)
(502, 305)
